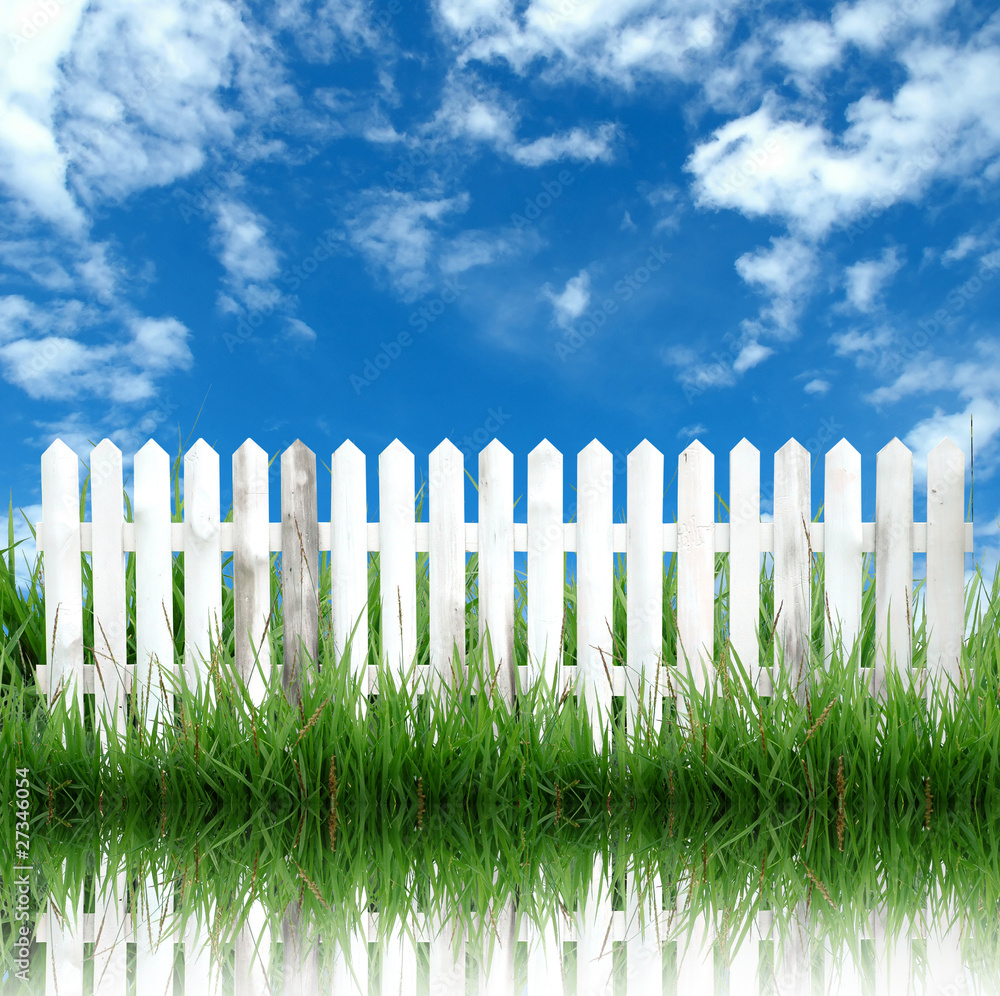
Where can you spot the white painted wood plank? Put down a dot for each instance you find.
(644, 587)
(893, 956)
(792, 952)
(696, 958)
(299, 568)
(62, 578)
(594, 582)
(351, 967)
(252, 953)
(153, 583)
(945, 596)
(202, 971)
(546, 564)
(744, 563)
(154, 946)
(594, 945)
(644, 927)
(110, 918)
(843, 558)
(349, 561)
(397, 557)
(696, 564)
(108, 564)
(893, 563)
(497, 966)
(202, 562)
(545, 970)
(446, 562)
(64, 954)
(792, 568)
(300, 966)
(251, 568)
(496, 564)
(399, 962)
(447, 954)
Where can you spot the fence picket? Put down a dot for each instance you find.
(202, 561)
(546, 562)
(397, 557)
(63, 581)
(792, 564)
(108, 574)
(893, 563)
(842, 544)
(644, 586)
(299, 567)
(696, 563)
(744, 562)
(349, 561)
(446, 562)
(595, 582)
(251, 568)
(496, 563)
(945, 595)
(154, 598)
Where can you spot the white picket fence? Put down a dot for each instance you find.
(649, 945)
(594, 537)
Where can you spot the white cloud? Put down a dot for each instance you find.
(690, 431)
(574, 144)
(298, 331)
(962, 247)
(244, 248)
(41, 351)
(807, 45)
(863, 347)
(817, 386)
(617, 41)
(866, 278)
(479, 248)
(571, 302)
(751, 354)
(943, 121)
(394, 231)
(479, 113)
(785, 273)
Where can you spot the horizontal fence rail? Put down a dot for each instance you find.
(447, 537)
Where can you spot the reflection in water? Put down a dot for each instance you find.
(648, 940)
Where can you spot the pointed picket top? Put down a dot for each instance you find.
(644, 450)
(842, 451)
(695, 448)
(395, 449)
(296, 448)
(58, 449)
(542, 450)
(152, 456)
(201, 449)
(446, 450)
(594, 450)
(949, 457)
(105, 448)
(744, 446)
(252, 454)
(495, 449)
(345, 449)
(793, 446)
(894, 448)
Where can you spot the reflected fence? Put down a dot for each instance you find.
(594, 950)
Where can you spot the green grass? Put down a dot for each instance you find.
(756, 801)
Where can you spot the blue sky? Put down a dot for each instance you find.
(559, 219)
